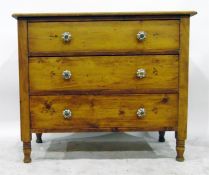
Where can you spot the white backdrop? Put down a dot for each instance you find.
(199, 49)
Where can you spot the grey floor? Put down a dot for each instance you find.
(102, 153)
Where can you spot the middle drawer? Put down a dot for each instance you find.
(153, 72)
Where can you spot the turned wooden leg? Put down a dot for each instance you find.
(161, 136)
(180, 147)
(39, 138)
(27, 152)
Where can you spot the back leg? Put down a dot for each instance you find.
(161, 136)
(39, 138)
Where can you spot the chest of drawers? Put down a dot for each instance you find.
(103, 72)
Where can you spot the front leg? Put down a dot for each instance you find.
(27, 152)
(161, 136)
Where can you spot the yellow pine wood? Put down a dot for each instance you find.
(183, 88)
(104, 72)
(103, 36)
(151, 13)
(183, 78)
(103, 111)
(23, 81)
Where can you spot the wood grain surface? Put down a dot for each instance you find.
(103, 36)
(114, 111)
(183, 88)
(103, 56)
(24, 81)
(103, 73)
(115, 14)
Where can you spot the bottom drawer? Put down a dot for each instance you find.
(100, 112)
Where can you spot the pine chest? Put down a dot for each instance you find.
(103, 72)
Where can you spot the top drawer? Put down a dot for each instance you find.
(103, 37)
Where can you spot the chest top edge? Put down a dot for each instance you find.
(154, 14)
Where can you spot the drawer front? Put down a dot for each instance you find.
(103, 73)
(103, 36)
(104, 112)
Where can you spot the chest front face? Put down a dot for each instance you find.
(112, 72)
(103, 72)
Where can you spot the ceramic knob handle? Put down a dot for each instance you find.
(67, 113)
(141, 73)
(141, 113)
(141, 35)
(66, 74)
(66, 36)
